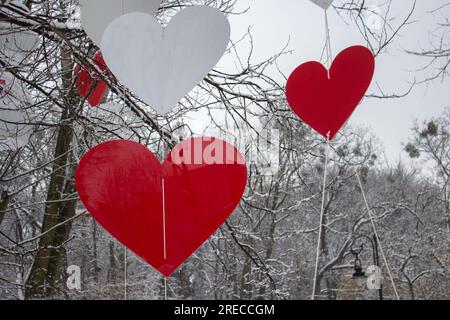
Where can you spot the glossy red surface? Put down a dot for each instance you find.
(325, 102)
(88, 83)
(120, 184)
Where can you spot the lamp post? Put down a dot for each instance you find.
(356, 251)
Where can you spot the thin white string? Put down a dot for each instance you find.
(125, 259)
(165, 288)
(125, 272)
(164, 232)
(319, 239)
(164, 205)
(164, 219)
(328, 43)
(322, 209)
(376, 233)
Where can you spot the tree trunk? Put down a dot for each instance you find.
(185, 289)
(95, 267)
(246, 287)
(46, 269)
(112, 275)
(4, 199)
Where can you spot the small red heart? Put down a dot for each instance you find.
(121, 184)
(88, 83)
(326, 101)
(2, 84)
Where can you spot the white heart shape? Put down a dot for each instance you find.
(324, 4)
(14, 113)
(96, 15)
(161, 65)
(16, 44)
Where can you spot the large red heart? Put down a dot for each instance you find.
(88, 83)
(121, 184)
(325, 100)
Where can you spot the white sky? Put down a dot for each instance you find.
(274, 22)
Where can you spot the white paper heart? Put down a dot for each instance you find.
(14, 113)
(96, 15)
(324, 4)
(161, 65)
(15, 44)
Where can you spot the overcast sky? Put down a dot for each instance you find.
(274, 22)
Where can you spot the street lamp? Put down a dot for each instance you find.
(359, 273)
(356, 251)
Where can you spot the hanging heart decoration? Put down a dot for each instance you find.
(162, 65)
(96, 15)
(324, 4)
(162, 212)
(15, 113)
(326, 99)
(88, 82)
(15, 44)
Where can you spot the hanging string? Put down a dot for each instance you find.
(125, 273)
(328, 43)
(164, 226)
(328, 61)
(125, 248)
(165, 288)
(164, 234)
(164, 219)
(376, 234)
(163, 6)
(322, 211)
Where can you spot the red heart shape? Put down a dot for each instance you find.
(325, 100)
(120, 184)
(88, 83)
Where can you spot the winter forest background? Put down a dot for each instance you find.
(267, 248)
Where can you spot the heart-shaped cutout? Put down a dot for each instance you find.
(325, 100)
(16, 44)
(324, 4)
(162, 65)
(96, 15)
(15, 113)
(163, 213)
(88, 82)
